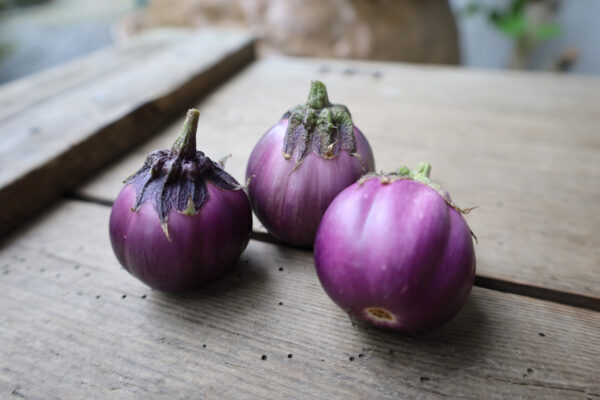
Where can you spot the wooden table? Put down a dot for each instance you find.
(523, 147)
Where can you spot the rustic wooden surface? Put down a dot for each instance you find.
(76, 325)
(58, 127)
(523, 147)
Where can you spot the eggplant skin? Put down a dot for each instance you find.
(395, 254)
(200, 247)
(290, 199)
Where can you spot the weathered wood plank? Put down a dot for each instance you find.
(40, 87)
(523, 147)
(52, 145)
(76, 325)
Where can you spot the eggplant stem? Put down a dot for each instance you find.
(317, 97)
(185, 144)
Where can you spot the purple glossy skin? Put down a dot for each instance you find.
(202, 247)
(291, 204)
(396, 247)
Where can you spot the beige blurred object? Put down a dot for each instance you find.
(407, 30)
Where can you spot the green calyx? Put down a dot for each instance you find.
(318, 126)
(419, 174)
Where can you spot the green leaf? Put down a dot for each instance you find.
(547, 31)
(512, 25)
(517, 7)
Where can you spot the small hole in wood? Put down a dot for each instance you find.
(424, 379)
(542, 334)
(290, 355)
(98, 296)
(143, 296)
(263, 357)
(124, 296)
(361, 355)
(280, 303)
(529, 370)
(203, 346)
(351, 358)
(281, 268)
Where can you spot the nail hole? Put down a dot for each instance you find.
(280, 303)
(124, 296)
(263, 357)
(361, 355)
(281, 268)
(290, 355)
(143, 296)
(203, 346)
(98, 296)
(424, 379)
(351, 358)
(529, 370)
(542, 334)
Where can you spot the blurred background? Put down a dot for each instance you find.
(543, 35)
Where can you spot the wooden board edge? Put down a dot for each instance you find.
(32, 192)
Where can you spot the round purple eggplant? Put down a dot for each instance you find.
(301, 163)
(181, 220)
(395, 251)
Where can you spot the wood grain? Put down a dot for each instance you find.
(522, 146)
(40, 87)
(50, 145)
(76, 325)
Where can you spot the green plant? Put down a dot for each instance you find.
(517, 22)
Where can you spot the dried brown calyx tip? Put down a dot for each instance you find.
(176, 178)
(319, 126)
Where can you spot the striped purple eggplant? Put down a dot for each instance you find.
(301, 163)
(395, 251)
(181, 220)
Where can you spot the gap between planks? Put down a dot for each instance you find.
(501, 285)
